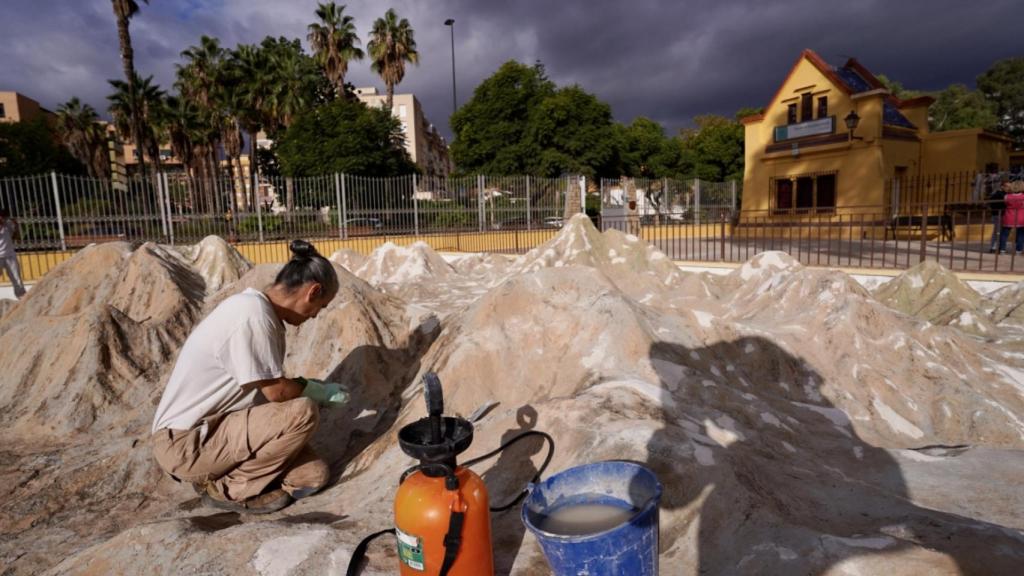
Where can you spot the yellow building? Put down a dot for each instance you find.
(15, 107)
(802, 157)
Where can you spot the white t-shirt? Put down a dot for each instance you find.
(240, 342)
(6, 242)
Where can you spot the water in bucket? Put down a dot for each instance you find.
(598, 519)
(588, 517)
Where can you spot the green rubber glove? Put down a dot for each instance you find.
(326, 394)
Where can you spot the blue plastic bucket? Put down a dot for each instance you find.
(630, 547)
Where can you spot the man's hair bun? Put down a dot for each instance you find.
(302, 249)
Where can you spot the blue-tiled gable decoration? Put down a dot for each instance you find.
(891, 116)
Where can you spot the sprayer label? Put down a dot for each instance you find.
(410, 550)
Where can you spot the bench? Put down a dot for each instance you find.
(943, 221)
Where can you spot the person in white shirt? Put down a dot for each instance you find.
(229, 421)
(8, 258)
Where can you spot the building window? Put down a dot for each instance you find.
(3, 114)
(804, 194)
(791, 114)
(806, 102)
(401, 111)
(822, 106)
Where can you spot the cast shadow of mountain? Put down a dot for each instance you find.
(793, 489)
(377, 376)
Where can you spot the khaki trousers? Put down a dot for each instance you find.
(246, 450)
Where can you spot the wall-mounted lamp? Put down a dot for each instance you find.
(852, 120)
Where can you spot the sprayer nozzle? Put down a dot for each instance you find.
(433, 393)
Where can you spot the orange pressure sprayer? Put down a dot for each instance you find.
(442, 519)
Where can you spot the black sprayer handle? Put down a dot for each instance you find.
(435, 404)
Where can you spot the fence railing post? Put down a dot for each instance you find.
(924, 232)
(583, 194)
(480, 207)
(259, 211)
(337, 200)
(60, 216)
(160, 203)
(344, 208)
(721, 236)
(415, 207)
(170, 214)
(528, 227)
(696, 201)
(734, 196)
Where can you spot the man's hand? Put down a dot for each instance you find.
(279, 389)
(326, 394)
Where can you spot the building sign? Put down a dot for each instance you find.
(810, 128)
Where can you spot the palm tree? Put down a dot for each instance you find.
(81, 131)
(143, 100)
(334, 42)
(248, 66)
(291, 79)
(123, 11)
(391, 45)
(198, 81)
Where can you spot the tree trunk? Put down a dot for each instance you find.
(244, 196)
(253, 181)
(289, 198)
(391, 96)
(128, 63)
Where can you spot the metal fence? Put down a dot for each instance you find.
(687, 219)
(964, 239)
(59, 212)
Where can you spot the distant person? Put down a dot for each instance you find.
(229, 421)
(1013, 218)
(997, 205)
(8, 257)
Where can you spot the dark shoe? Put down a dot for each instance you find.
(261, 504)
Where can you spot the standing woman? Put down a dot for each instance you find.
(8, 257)
(229, 421)
(1013, 218)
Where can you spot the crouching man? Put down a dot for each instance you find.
(229, 421)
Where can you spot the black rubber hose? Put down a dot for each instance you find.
(536, 477)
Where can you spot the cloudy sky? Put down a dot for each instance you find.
(669, 60)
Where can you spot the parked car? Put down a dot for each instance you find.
(554, 222)
(364, 226)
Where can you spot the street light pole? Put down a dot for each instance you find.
(450, 23)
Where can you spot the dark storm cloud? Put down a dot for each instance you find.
(666, 60)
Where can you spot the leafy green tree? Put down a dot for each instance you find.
(391, 45)
(1003, 86)
(344, 136)
(713, 150)
(646, 152)
(335, 43)
(572, 132)
(490, 128)
(959, 107)
(31, 148)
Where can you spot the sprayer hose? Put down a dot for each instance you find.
(536, 477)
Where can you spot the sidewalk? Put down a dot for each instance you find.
(7, 292)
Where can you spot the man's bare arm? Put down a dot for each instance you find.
(278, 389)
